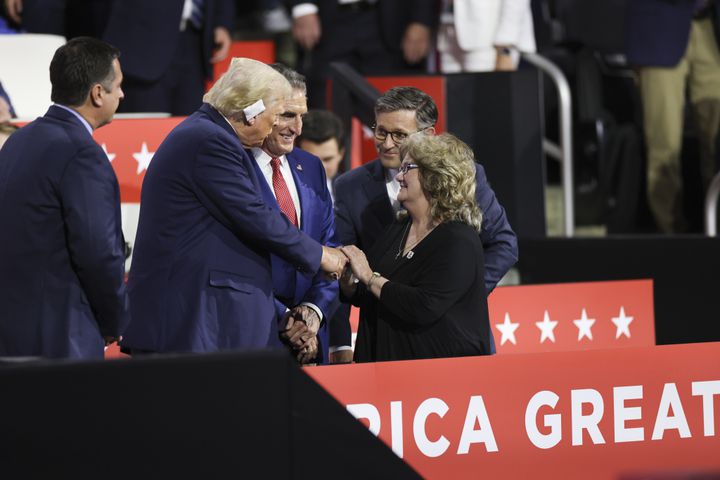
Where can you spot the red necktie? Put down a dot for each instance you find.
(282, 193)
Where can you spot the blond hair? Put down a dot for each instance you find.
(447, 176)
(245, 82)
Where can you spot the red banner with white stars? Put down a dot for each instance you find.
(572, 316)
(130, 145)
(623, 413)
(569, 316)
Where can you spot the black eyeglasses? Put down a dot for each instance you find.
(398, 137)
(405, 167)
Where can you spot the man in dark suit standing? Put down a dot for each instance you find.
(366, 197)
(62, 263)
(201, 274)
(306, 298)
(168, 49)
(373, 36)
(675, 45)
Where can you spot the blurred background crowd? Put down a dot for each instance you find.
(631, 66)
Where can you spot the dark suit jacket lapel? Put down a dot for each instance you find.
(265, 189)
(376, 193)
(299, 177)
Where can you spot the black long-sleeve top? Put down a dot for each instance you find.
(434, 304)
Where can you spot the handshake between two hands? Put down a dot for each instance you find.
(341, 261)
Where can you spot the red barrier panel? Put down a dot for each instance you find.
(130, 145)
(261, 50)
(572, 316)
(550, 318)
(612, 413)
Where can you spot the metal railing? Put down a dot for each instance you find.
(352, 96)
(564, 151)
(711, 203)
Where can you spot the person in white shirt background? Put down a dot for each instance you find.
(484, 35)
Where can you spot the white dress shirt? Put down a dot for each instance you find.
(393, 188)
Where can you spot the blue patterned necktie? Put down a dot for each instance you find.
(196, 15)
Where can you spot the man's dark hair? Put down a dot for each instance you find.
(296, 80)
(409, 98)
(320, 126)
(77, 66)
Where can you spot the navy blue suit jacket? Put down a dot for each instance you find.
(62, 261)
(363, 212)
(292, 287)
(146, 32)
(657, 31)
(200, 279)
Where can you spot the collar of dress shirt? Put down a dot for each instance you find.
(79, 117)
(393, 187)
(263, 158)
(186, 14)
(390, 174)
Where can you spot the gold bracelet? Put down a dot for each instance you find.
(372, 279)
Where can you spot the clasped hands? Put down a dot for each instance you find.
(300, 332)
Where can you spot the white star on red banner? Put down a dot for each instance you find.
(546, 328)
(143, 158)
(622, 323)
(584, 325)
(507, 328)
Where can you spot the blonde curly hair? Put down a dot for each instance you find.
(447, 176)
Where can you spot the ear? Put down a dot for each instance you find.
(250, 121)
(96, 95)
(429, 131)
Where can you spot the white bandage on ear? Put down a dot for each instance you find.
(254, 110)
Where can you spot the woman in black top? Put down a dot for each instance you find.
(421, 291)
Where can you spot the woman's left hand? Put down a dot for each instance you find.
(358, 262)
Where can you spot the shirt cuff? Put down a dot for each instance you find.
(339, 348)
(315, 308)
(303, 9)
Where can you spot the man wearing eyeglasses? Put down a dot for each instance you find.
(366, 197)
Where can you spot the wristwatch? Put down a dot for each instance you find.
(504, 50)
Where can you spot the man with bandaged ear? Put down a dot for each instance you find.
(201, 275)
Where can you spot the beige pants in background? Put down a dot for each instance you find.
(663, 95)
